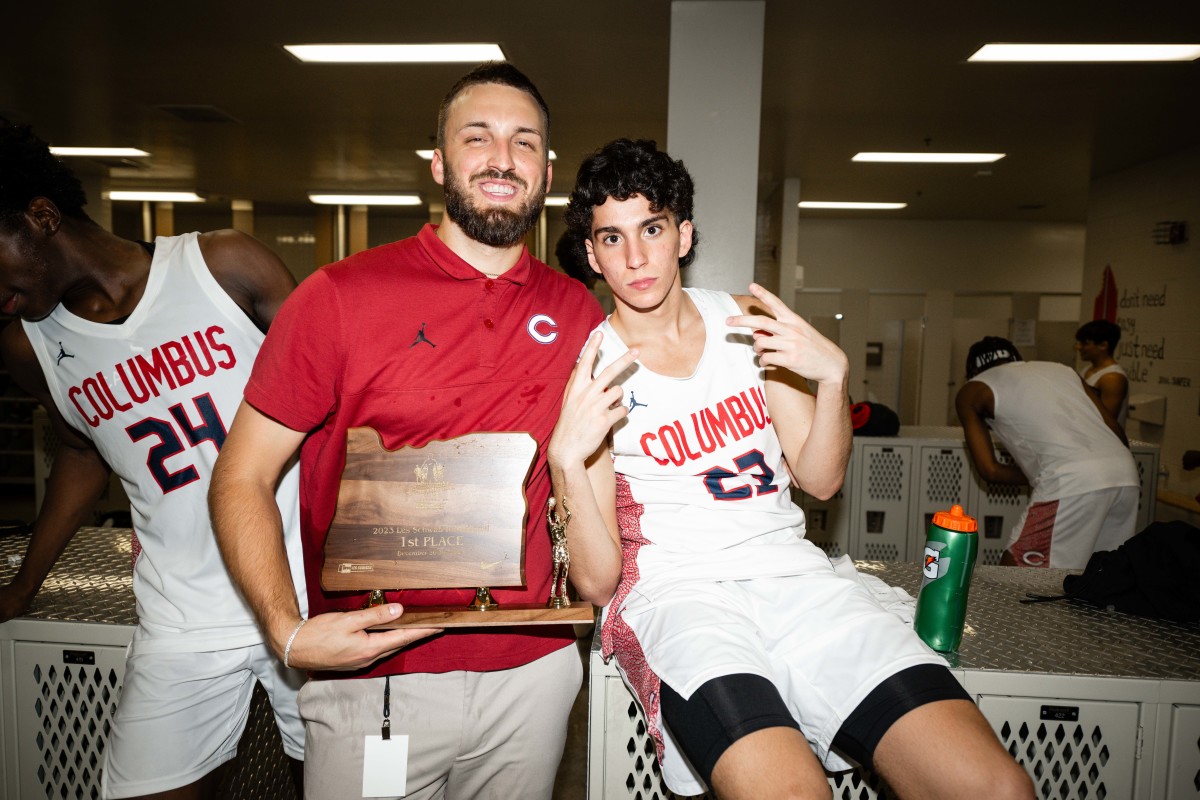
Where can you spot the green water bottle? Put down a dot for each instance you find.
(950, 549)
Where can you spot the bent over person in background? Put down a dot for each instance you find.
(683, 429)
(458, 330)
(1065, 444)
(139, 352)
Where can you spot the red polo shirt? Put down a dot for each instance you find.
(411, 340)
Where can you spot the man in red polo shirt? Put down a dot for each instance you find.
(457, 330)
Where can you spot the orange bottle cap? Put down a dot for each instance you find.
(955, 520)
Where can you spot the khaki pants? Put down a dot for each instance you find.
(471, 734)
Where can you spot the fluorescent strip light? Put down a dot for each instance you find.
(366, 199)
(99, 152)
(557, 199)
(428, 154)
(157, 197)
(395, 53)
(930, 158)
(1087, 52)
(850, 205)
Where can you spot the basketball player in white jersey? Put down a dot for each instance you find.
(685, 424)
(1064, 443)
(139, 353)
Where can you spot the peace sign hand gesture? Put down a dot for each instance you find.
(591, 406)
(787, 340)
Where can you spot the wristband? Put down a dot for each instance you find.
(287, 648)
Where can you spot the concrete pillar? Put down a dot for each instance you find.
(147, 221)
(852, 335)
(164, 219)
(324, 248)
(357, 229)
(713, 111)
(935, 375)
(791, 275)
(243, 216)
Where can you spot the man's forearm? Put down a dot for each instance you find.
(76, 482)
(595, 557)
(249, 531)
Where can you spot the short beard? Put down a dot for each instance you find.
(496, 227)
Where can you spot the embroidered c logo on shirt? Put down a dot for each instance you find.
(542, 328)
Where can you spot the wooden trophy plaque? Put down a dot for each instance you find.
(449, 515)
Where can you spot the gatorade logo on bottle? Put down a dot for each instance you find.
(935, 565)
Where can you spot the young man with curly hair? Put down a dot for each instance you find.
(683, 429)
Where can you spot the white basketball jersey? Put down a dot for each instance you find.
(156, 395)
(702, 487)
(1054, 432)
(1113, 369)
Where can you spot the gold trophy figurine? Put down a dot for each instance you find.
(559, 554)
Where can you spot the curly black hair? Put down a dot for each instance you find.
(623, 168)
(572, 257)
(28, 169)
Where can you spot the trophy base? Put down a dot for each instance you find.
(516, 614)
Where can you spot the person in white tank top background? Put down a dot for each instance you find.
(1096, 342)
(687, 418)
(1064, 444)
(139, 354)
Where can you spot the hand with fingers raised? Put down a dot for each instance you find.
(787, 340)
(591, 405)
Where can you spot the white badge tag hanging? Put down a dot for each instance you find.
(385, 766)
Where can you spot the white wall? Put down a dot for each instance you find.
(1159, 289)
(982, 265)
(918, 255)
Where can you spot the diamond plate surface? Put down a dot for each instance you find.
(92, 581)
(1056, 638)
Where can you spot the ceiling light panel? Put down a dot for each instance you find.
(366, 199)
(1086, 52)
(99, 152)
(851, 205)
(929, 158)
(395, 53)
(156, 197)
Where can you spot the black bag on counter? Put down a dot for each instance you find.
(1154, 574)
(874, 419)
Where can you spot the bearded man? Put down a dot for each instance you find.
(457, 330)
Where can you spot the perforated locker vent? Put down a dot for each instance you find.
(644, 779)
(73, 706)
(858, 785)
(1065, 760)
(945, 477)
(875, 551)
(990, 556)
(885, 475)
(832, 548)
(1000, 494)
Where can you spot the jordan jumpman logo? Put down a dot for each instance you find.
(633, 403)
(62, 353)
(421, 338)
